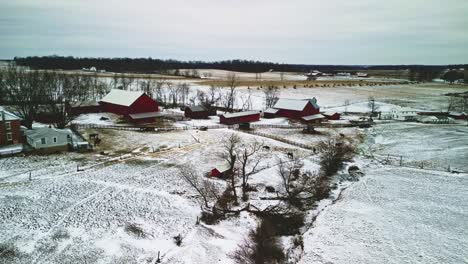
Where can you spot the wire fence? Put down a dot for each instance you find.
(402, 161)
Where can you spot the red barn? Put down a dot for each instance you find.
(332, 115)
(240, 117)
(220, 171)
(10, 128)
(197, 112)
(459, 116)
(136, 107)
(296, 109)
(270, 113)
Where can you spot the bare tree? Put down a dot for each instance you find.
(230, 145)
(271, 96)
(183, 89)
(207, 190)
(372, 105)
(289, 172)
(246, 101)
(249, 158)
(125, 82)
(346, 103)
(230, 96)
(25, 91)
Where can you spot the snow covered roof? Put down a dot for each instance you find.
(8, 116)
(329, 113)
(271, 111)
(146, 115)
(223, 168)
(121, 97)
(295, 105)
(40, 132)
(313, 117)
(238, 114)
(196, 108)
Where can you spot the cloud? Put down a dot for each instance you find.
(300, 31)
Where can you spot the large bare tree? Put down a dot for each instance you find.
(249, 158)
(271, 95)
(229, 97)
(229, 154)
(24, 90)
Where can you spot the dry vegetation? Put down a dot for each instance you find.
(297, 83)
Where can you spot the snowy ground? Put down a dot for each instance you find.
(399, 214)
(65, 216)
(394, 215)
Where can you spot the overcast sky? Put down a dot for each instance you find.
(296, 31)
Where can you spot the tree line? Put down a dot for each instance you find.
(32, 92)
(150, 65)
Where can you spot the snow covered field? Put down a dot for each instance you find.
(65, 216)
(393, 215)
(398, 214)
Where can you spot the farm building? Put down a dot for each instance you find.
(296, 109)
(313, 119)
(404, 114)
(239, 118)
(47, 139)
(220, 171)
(332, 115)
(136, 107)
(270, 113)
(458, 116)
(197, 112)
(10, 128)
(85, 107)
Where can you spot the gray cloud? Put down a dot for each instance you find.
(301, 31)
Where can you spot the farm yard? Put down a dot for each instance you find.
(127, 201)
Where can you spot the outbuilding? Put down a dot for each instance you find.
(313, 119)
(220, 171)
(49, 140)
(270, 113)
(458, 116)
(332, 115)
(136, 107)
(296, 109)
(239, 117)
(197, 112)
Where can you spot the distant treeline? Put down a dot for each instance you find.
(150, 65)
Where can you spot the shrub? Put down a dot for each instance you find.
(60, 234)
(285, 225)
(8, 251)
(134, 230)
(261, 247)
(178, 240)
(270, 189)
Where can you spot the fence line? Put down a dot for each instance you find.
(401, 161)
(280, 139)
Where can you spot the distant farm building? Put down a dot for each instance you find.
(10, 128)
(296, 109)
(197, 112)
(404, 114)
(136, 107)
(220, 171)
(239, 118)
(85, 107)
(270, 113)
(458, 116)
(313, 119)
(332, 115)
